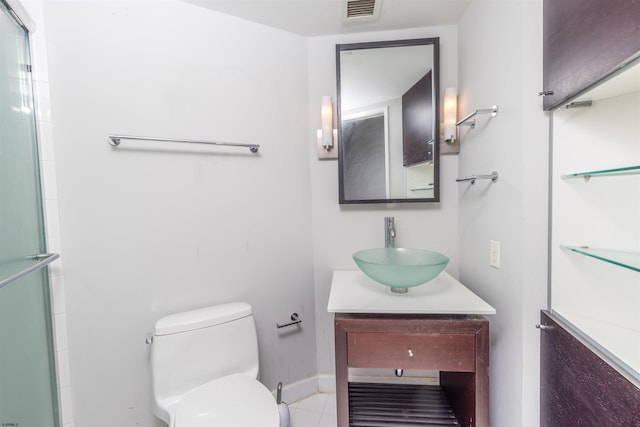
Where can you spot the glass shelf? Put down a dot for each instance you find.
(630, 170)
(630, 260)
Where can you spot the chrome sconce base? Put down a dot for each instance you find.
(449, 145)
(330, 152)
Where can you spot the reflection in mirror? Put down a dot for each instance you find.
(388, 121)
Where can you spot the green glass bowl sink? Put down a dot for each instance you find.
(400, 268)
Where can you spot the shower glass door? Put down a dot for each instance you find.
(27, 368)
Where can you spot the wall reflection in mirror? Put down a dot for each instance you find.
(388, 121)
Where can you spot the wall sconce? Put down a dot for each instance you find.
(450, 114)
(327, 137)
(450, 143)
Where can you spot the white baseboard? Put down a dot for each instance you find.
(327, 383)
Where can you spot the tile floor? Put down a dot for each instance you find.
(318, 410)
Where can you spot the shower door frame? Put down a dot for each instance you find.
(26, 268)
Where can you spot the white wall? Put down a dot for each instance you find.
(339, 231)
(149, 229)
(500, 62)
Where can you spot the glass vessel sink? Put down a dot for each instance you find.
(400, 268)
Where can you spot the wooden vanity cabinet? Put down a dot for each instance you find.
(455, 345)
(583, 42)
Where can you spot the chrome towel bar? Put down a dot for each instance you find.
(116, 139)
(467, 120)
(493, 177)
(42, 261)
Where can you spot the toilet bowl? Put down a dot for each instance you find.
(234, 400)
(204, 366)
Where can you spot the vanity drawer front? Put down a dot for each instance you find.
(441, 352)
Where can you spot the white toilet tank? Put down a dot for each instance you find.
(195, 347)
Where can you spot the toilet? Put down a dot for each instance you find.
(204, 368)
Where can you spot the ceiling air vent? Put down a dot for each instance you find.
(362, 9)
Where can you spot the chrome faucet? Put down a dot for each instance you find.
(389, 232)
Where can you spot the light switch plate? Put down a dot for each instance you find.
(494, 254)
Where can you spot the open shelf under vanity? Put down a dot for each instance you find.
(383, 404)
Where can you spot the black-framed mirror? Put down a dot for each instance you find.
(388, 121)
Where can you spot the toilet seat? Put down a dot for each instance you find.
(233, 401)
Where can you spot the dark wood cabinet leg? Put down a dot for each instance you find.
(468, 392)
(342, 376)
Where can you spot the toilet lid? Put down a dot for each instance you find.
(233, 401)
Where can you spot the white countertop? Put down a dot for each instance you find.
(354, 292)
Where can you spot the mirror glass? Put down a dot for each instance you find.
(388, 121)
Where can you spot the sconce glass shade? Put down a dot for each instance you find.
(326, 113)
(450, 114)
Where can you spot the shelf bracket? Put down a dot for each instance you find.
(469, 119)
